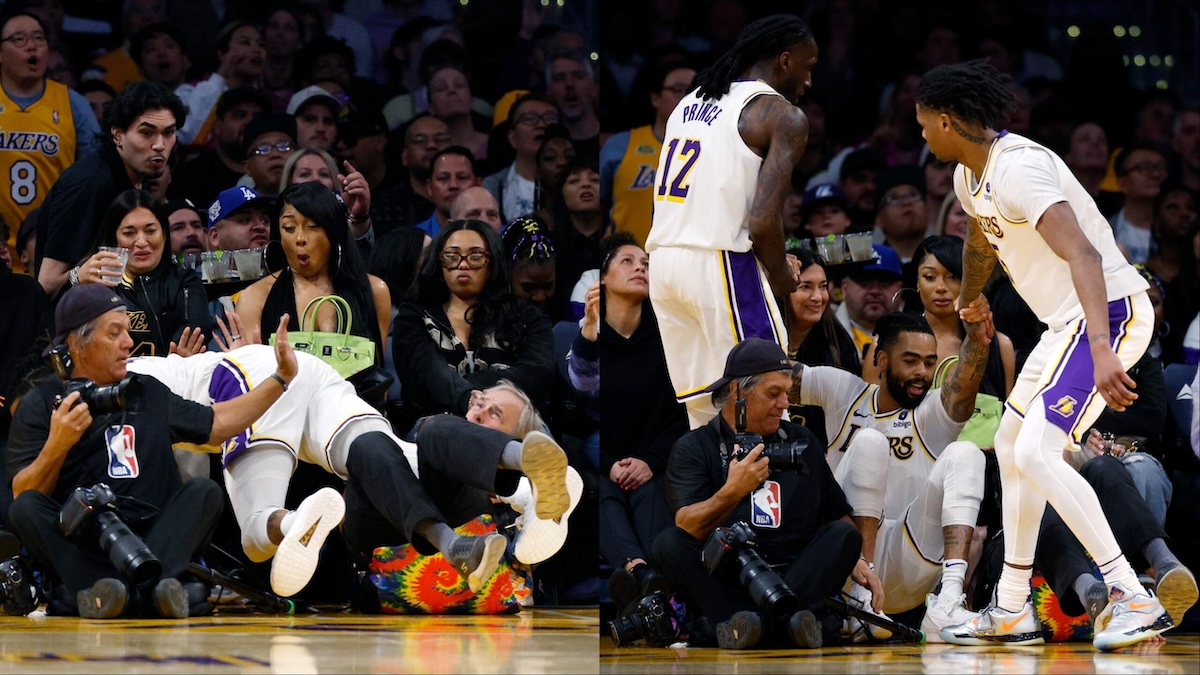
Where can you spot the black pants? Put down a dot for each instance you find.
(458, 464)
(1059, 555)
(630, 520)
(183, 526)
(817, 572)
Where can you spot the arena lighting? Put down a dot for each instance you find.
(1139, 60)
(1155, 61)
(1161, 84)
(1119, 31)
(1125, 59)
(1073, 31)
(595, 56)
(1134, 31)
(1168, 60)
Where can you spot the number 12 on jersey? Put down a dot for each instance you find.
(688, 154)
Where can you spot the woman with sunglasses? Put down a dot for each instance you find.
(466, 330)
(321, 259)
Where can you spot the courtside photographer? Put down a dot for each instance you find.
(763, 534)
(99, 501)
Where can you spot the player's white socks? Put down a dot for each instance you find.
(1118, 571)
(954, 571)
(286, 523)
(1013, 590)
(258, 483)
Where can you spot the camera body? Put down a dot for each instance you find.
(127, 552)
(780, 456)
(102, 399)
(650, 619)
(733, 550)
(18, 594)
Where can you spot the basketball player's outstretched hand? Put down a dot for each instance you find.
(1113, 383)
(285, 358)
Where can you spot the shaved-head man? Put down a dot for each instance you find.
(477, 204)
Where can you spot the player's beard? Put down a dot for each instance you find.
(899, 390)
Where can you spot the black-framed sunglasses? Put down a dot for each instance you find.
(282, 147)
(475, 259)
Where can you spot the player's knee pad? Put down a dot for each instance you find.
(863, 473)
(966, 461)
(963, 483)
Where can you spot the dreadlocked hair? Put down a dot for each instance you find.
(973, 91)
(762, 39)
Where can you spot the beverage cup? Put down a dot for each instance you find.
(112, 273)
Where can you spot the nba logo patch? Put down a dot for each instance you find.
(54, 115)
(764, 506)
(122, 452)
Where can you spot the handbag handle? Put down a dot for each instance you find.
(345, 318)
(943, 370)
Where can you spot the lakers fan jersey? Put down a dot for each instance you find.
(706, 174)
(915, 437)
(633, 184)
(36, 145)
(1020, 181)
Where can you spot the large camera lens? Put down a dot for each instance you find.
(110, 398)
(784, 456)
(766, 587)
(127, 551)
(627, 630)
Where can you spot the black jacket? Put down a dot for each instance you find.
(161, 304)
(437, 373)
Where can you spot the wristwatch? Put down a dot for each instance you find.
(73, 276)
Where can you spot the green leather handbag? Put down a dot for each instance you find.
(345, 353)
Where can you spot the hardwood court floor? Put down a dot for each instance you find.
(533, 641)
(1180, 654)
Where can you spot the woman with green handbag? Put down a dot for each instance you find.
(321, 261)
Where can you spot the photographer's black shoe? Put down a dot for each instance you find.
(650, 580)
(104, 600)
(170, 600)
(805, 630)
(743, 630)
(623, 589)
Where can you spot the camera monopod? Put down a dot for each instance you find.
(899, 630)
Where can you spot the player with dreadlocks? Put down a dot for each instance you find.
(716, 240)
(1028, 210)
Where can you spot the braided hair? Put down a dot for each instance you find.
(973, 91)
(527, 240)
(762, 39)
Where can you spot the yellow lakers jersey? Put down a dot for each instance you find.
(36, 145)
(633, 184)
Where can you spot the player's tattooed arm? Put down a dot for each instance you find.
(958, 393)
(782, 128)
(978, 260)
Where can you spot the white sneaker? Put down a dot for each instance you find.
(537, 539)
(861, 630)
(1129, 619)
(545, 464)
(298, 553)
(944, 612)
(995, 626)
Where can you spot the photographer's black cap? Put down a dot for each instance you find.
(80, 305)
(751, 356)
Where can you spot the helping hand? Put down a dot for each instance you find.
(191, 341)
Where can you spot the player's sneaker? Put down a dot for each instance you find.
(1129, 619)
(537, 539)
(1177, 591)
(298, 553)
(996, 626)
(476, 558)
(545, 464)
(944, 612)
(860, 630)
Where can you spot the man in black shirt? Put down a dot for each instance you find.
(56, 445)
(799, 515)
(138, 139)
(202, 178)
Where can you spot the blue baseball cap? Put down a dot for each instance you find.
(232, 200)
(888, 263)
(819, 195)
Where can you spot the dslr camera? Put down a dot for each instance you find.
(107, 398)
(732, 550)
(781, 456)
(128, 553)
(650, 619)
(18, 594)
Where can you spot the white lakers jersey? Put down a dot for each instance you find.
(1020, 181)
(915, 437)
(706, 174)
